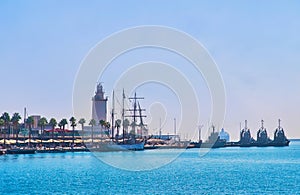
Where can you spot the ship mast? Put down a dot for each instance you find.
(279, 124)
(262, 124)
(141, 119)
(123, 115)
(134, 116)
(113, 116)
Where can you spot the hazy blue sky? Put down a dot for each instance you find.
(256, 45)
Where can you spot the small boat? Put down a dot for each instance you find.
(51, 151)
(198, 143)
(20, 151)
(79, 150)
(195, 144)
(175, 146)
(150, 147)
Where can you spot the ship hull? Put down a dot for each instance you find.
(255, 144)
(51, 151)
(20, 151)
(111, 147)
(217, 144)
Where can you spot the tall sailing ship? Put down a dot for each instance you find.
(132, 140)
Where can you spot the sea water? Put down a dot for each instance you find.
(271, 170)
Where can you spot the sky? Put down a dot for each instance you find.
(256, 45)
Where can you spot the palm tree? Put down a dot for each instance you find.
(82, 121)
(15, 120)
(133, 125)
(29, 122)
(2, 122)
(118, 125)
(92, 123)
(107, 126)
(126, 125)
(102, 124)
(73, 125)
(5, 116)
(42, 122)
(63, 124)
(53, 124)
(60, 127)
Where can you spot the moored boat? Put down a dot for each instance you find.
(245, 137)
(214, 140)
(262, 138)
(20, 151)
(279, 137)
(112, 146)
(51, 151)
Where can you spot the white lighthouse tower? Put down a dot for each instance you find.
(99, 105)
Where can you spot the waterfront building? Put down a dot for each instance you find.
(36, 119)
(142, 131)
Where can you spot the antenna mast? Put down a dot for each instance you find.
(199, 128)
(123, 99)
(175, 127)
(159, 128)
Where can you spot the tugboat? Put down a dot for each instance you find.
(279, 137)
(245, 137)
(262, 136)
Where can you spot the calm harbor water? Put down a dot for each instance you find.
(222, 171)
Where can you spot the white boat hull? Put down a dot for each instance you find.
(109, 147)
